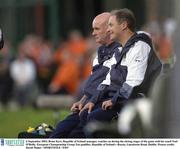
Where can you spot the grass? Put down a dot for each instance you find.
(11, 123)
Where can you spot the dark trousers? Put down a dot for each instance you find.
(73, 125)
(64, 127)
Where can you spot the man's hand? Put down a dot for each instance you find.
(77, 106)
(88, 106)
(107, 105)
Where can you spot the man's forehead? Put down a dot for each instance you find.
(112, 19)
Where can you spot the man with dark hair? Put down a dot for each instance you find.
(101, 66)
(137, 55)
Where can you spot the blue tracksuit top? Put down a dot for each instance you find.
(101, 67)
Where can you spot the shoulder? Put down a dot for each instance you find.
(145, 37)
(140, 48)
(142, 45)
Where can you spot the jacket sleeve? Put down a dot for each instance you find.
(98, 93)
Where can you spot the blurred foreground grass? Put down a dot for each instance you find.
(11, 123)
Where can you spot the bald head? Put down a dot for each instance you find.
(102, 18)
(100, 26)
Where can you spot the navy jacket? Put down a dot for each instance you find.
(100, 69)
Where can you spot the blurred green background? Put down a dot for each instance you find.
(13, 122)
(53, 19)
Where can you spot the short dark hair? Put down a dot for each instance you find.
(125, 15)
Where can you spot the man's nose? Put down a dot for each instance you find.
(109, 30)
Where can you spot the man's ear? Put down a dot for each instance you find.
(124, 25)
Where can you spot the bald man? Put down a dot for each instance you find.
(101, 66)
